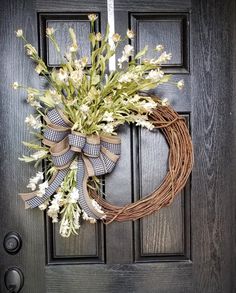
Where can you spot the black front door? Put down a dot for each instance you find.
(186, 247)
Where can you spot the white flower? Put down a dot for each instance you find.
(81, 63)
(32, 186)
(19, 33)
(33, 122)
(55, 96)
(15, 85)
(127, 52)
(130, 34)
(62, 75)
(76, 76)
(144, 123)
(87, 218)
(74, 195)
(97, 207)
(164, 57)
(36, 104)
(35, 180)
(116, 38)
(108, 116)
(159, 48)
(155, 75)
(92, 17)
(39, 154)
(134, 99)
(74, 48)
(43, 206)
(98, 37)
(127, 77)
(148, 106)
(30, 50)
(84, 108)
(180, 84)
(165, 102)
(109, 128)
(42, 189)
(76, 220)
(74, 165)
(50, 31)
(65, 228)
(58, 197)
(39, 68)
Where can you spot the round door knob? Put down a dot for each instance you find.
(12, 242)
(14, 280)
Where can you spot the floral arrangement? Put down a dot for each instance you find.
(79, 114)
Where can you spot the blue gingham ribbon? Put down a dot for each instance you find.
(96, 155)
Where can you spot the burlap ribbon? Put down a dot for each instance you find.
(96, 155)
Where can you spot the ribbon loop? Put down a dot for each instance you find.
(96, 155)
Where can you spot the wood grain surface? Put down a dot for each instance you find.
(188, 247)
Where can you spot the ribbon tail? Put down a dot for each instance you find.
(84, 199)
(32, 200)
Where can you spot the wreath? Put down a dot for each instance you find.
(75, 122)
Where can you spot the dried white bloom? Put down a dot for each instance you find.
(30, 50)
(19, 33)
(39, 68)
(84, 108)
(164, 58)
(92, 17)
(76, 76)
(148, 106)
(109, 128)
(65, 228)
(73, 196)
(35, 180)
(116, 38)
(39, 154)
(33, 122)
(165, 102)
(130, 34)
(127, 77)
(97, 207)
(108, 116)
(43, 206)
(98, 37)
(62, 75)
(145, 124)
(32, 186)
(134, 99)
(159, 48)
(180, 84)
(81, 63)
(74, 48)
(87, 218)
(155, 75)
(50, 31)
(127, 52)
(42, 189)
(15, 85)
(74, 165)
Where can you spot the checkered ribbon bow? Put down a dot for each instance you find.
(96, 155)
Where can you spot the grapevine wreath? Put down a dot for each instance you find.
(75, 122)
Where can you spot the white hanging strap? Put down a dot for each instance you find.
(111, 22)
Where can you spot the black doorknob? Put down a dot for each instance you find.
(14, 280)
(12, 242)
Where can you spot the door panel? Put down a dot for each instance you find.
(185, 247)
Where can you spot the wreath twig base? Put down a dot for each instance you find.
(180, 162)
